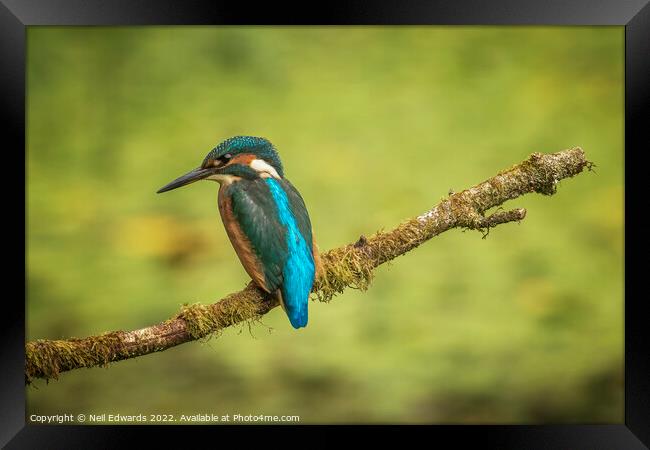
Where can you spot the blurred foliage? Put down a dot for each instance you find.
(374, 125)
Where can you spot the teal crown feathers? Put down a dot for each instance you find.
(258, 146)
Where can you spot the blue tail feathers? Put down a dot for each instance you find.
(298, 314)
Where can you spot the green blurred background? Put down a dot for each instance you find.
(374, 125)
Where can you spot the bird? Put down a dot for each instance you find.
(265, 218)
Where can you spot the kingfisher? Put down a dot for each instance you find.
(265, 219)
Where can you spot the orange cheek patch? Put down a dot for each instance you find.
(244, 159)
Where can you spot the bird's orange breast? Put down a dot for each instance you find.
(318, 264)
(240, 242)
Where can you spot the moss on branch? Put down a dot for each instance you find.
(351, 266)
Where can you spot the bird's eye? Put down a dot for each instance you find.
(222, 160)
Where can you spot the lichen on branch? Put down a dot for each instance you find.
(351, 265)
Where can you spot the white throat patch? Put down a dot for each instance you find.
(222, 178)
(264, 168)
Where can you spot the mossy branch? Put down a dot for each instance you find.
(348, 266)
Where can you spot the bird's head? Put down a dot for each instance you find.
(235, 158)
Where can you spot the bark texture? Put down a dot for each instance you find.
(348, 266)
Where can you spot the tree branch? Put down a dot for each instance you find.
(348, 266)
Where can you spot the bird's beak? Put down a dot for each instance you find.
(190, 177)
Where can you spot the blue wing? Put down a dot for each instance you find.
(299, 266)
(274, 218)
(254, 211)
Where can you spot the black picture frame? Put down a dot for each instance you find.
(16, 15)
